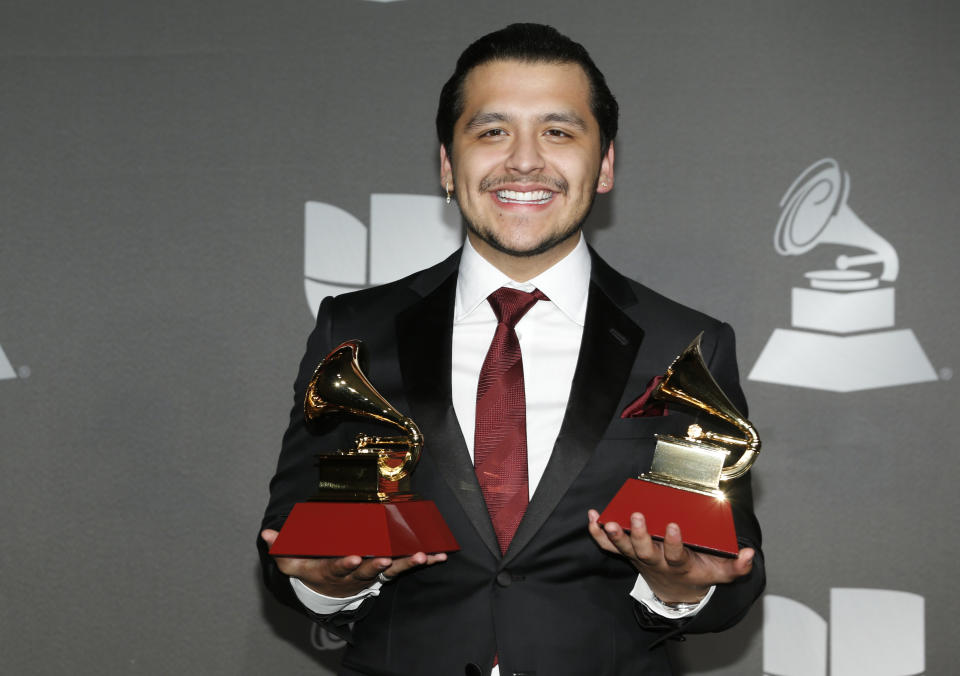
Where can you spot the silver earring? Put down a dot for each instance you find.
(448, 193)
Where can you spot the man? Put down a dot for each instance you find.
(526, 126)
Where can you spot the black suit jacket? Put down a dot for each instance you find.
(555, 603)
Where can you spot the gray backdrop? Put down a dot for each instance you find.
(156, 161)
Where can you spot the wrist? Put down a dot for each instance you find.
(318, 602)
(681, 606)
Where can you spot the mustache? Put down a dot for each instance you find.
(555, 184)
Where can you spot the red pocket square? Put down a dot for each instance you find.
(645, 406)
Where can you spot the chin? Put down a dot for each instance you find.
(525, 249)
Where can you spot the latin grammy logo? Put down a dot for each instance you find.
(407, 233)
(843, 337)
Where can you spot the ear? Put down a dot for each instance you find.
(605, 180)
(446, 169)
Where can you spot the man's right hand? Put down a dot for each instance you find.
(348, 575)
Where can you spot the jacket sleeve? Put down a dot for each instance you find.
(296, 475)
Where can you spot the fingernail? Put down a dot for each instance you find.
(637, 520)
(673, 529)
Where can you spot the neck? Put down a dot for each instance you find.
(524, 268)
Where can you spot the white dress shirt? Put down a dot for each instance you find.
(550, 334)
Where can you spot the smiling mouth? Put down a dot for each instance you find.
(529, 197)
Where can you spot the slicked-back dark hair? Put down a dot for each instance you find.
(531, 43)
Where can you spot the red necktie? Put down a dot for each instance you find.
(500, 437)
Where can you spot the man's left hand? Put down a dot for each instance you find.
(675, 573)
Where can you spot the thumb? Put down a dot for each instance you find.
(269, 535)
(744, 561)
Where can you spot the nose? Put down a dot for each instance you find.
(525, 154)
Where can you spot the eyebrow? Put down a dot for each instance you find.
(566, 117)
(483, 119)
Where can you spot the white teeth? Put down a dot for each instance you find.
(531, 197)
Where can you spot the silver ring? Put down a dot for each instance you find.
(383, 579)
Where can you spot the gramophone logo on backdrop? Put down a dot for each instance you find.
(407, 233)
(872, 632)
(843, 337)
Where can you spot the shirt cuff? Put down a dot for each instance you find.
(328, 605)
(642, 593)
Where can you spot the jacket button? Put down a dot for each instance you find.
(504, 579)
(473, 670)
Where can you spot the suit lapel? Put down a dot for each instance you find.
(424, 344)
(607, 353)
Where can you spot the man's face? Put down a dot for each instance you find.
(525, 160)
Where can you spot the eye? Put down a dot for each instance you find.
(557, 133)
(493, 132)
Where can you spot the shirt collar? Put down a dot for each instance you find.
(566, 283)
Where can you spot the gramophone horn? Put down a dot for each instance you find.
(339, 387)
(815, 211)
(689, 381)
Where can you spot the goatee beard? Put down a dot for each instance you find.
(546, 245)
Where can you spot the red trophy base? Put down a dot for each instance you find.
(706, 522)
(391, 529)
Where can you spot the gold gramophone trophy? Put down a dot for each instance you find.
(364, 504)
(683, 484)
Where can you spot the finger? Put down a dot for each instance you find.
(370, 569)
(675, 554)
(727, 570)
(709, 569)
(269, 536)
(620, 539)
(403, 564)
(597, 532)
(422, 559)
(341, 567)
(647, 551)
(743, 564)
(316, 570)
